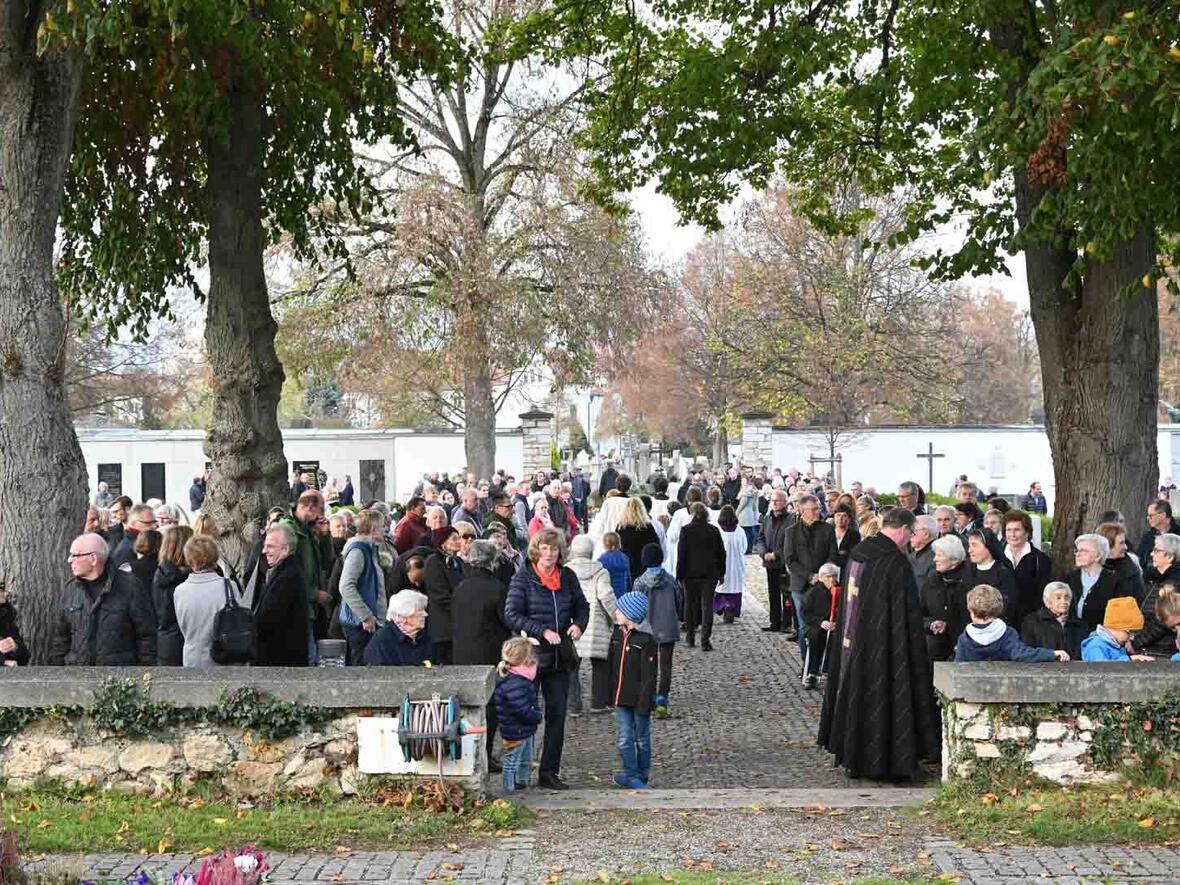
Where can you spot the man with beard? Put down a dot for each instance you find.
(879, 717)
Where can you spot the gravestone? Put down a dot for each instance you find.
(152, 482)
(112, 475)
(372, 481)
(312, 468)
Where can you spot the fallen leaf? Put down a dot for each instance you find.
(838, 844)
(1034, 808)
(989, 799)
(43, 823)
(603, 876)
(221, 821)
(1147, 823)
(163, 845)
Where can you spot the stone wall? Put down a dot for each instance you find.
(74, 751)
(59, 733)
(1074, 723)
(537, 428)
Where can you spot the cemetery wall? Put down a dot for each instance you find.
(1008, 458)
(254, 731)
(1075, 723)
(383, 464)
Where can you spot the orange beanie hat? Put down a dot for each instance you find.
(1122, 613)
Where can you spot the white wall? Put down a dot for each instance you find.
(1008, 458)
(406, 455)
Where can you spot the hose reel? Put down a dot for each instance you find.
(433, 729)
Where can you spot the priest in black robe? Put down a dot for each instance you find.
(879, 717)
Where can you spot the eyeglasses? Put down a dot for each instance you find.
(74, 556)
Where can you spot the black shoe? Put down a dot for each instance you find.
(690, 640)
(792, 635)
(772, 629)
(706, 645)
(727, 618)
(494, 766)
(548, 781)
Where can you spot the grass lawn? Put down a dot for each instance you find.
(1062, 815)
(68, 821)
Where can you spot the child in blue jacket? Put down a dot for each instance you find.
(1108, 643)
(988, 638)
(616, 563)
(516, 710)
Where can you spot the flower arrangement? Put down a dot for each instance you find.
(246, 866)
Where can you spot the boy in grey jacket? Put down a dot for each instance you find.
(665, 611)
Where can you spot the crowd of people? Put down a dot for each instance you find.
(524, 575)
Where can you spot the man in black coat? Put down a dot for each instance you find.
(105, 617)
(775, 525)
(347, 495)
(1159, 522)
(879, 716)
(141, 519)
(700, 566)
(479, 629)
(807, 545)
(280, 615)
(579, 493)
(607, 481)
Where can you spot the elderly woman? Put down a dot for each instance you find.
(1125, 568)
(984, 568)
(1054, 625)
(595, 642)
(1033, 568)
(941, 628)
(546, 603)
(1164, 569)
(819, 619)
(541, 518)
(1091, 584)
(402, 641)
(198, 600)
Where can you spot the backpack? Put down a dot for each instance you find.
(234, 639)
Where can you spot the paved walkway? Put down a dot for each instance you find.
(739, 716)
(1094, 863)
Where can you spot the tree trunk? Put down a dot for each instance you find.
(41, 463)
(479, 408)
(243, 441)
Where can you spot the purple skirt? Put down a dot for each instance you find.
(731, 602)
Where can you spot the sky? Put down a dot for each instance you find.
(671, 242)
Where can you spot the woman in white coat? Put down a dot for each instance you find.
(680, 519)
(594, 644)
(727, 601)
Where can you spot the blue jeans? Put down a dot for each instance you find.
(753, 536)
(517, 764)
(634, 742)
(797, 603)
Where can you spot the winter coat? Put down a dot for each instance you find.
(729, 491)
(9, 629)
(1155, 639)
(361, 597)
(936, 596)
(347, 496)
(144, 569)
(632, 540)
(633, 668)
(774, 535)
(169, 639)
(607, 481)
(314, 557)
(516, 707)
(198, 600)
(440, 576)
(1033, 572)
(1132, 581)
(1041, 629)
(1153, 581)
(1094, 610)
(997, 641)
(618, 566)
(116, 629)
(390, 647)
(807, 547)
(736, 545)
(1147, 542)
(196, 497)
(665, 604)
(747, 506)
(1101, 646)
(534, 608)
(844, 547)
(922, 562)
(477, 612)
(596, 587)
(700, 554)
(280, 617)
(408, 531)
(817, 606)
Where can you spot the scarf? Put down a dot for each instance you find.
(550, 580)
(528, 671)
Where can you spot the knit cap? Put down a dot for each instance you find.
(634, 606)
(439, 535)
(652, 555)
(1122, 613)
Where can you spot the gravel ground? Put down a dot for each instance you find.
(814, 846)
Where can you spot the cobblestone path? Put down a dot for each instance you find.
(739, 716)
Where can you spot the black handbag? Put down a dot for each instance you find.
(234, 637)
(567, 654)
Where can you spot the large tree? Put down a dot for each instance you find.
(480, 262)
(40, 460)
(1044, 126)
(212, 130)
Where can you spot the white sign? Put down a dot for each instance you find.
(380, 753)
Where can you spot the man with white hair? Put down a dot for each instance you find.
(402, 641)
(944, 516)
(104, 618)
(468, 509)
(775, 527)
(280, 615)
(921, 552)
